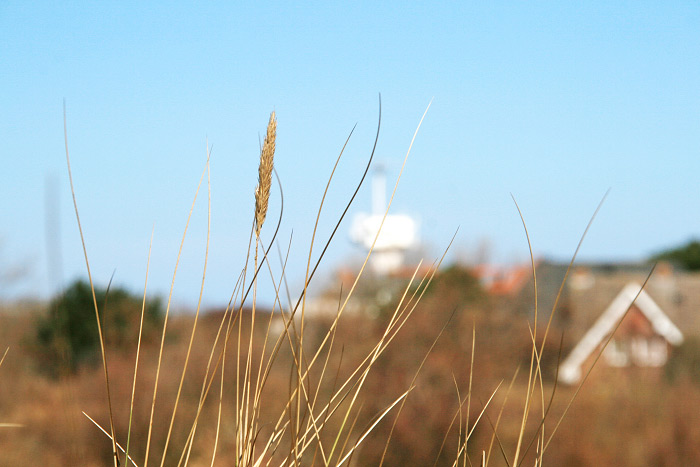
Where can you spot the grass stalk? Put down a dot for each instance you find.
(94, 299)
(138, 353)
(165, 320)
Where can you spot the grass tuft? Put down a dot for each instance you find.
(311, 416)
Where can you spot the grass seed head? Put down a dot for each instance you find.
(262, 191)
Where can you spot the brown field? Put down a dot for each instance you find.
(626, 416)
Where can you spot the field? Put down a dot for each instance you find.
(433, 376)
(635, 418)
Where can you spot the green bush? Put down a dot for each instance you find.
(686, 256)
(684, 362)
(457, 284)
(67, 336)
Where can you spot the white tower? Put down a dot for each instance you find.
(398, 233)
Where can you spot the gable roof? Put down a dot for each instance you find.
(570, 370)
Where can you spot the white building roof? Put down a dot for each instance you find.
(570, 369)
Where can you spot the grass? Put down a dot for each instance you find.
(299, 427)
(246, 413)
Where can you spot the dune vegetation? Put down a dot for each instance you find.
(432, 377)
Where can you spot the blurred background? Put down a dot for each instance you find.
(551, 104)
(554, 104)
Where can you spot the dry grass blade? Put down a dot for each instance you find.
(535, 370)
(458, 414)
(500, 444)
(92, 288)
(227, 317)
(138, 351)
(531, 378)
(462, 403)
(129, 459)
(413, 383)
(310, 404)
(494, 428)
(382, 343)
(235, 315)
(233, 318)
(396, 322)
(8, 425)
(167, 315)
(298, 352)
(476, 423)
(471, 378)
(371, 427)
(597, 357)
(546, 413)
(570, 266)
(347, 437)
(196, 316)
(4, 355)
(354, 382)
(455, 417)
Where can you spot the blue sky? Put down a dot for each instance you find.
(554, 102)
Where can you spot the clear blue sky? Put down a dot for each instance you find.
(554, 102)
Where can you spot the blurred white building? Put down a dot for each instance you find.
(398, 234)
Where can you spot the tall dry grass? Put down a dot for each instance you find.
(241, 417)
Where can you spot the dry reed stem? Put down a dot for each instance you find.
(4, 355)
(129, 459)
(228, 315)
(420, 367)
(597, 357)
(531, 379)
(165, 319)
(262, 191)
(138, 351)
(8, 425)
(340, 394)
(299, 357)
(469, 434)
(540, 428)
(250, 421)
(262, 194)
(498, 419)
(355, 381)
(298, 354)
(196, 316)
(342, 308)
(307, 281)
(309, 276)
(92, 289)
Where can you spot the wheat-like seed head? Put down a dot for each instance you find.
(262, 191)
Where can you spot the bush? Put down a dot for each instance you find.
(686, 256)
(67, 335)
(684, 362)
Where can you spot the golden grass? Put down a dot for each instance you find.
(316, 421)
(304, 416)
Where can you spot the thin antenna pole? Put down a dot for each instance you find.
(52, 231)
(379, 191)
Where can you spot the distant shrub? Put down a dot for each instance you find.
(67, 335)
(458, 285)
(686, 256)
(684, 362)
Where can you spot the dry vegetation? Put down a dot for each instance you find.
(436, 378)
